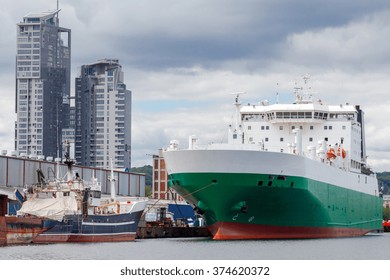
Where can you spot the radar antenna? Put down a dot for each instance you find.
(303, 95)
(237, 94)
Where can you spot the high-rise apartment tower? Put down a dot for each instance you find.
(103, 116)
(42, 84)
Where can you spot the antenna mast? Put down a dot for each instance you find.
(235, 132)
(237, 104)
(57, 12)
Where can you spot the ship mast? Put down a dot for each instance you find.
(237, 104)
(112, 182)
(236, 136)
(69, 162)
(306, 96)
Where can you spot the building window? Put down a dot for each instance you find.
(330, 127)
(311, 127)
(281, 127)
(262, 127)
(281, 139)
(344, 127)
(249, 127)
(267, 127)
(266, 139)
(325, 127)
(310, 139)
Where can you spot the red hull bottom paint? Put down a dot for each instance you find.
(79, 238)
(231, 231)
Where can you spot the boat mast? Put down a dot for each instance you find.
(112, 182)
(69, 162)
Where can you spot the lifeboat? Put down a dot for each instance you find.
(330, 154)
(341, 152)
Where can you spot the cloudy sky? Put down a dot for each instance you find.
(183, 58)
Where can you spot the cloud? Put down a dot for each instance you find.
(160, 35)
(155, 131)
(183, 59)
(357, 47)
(7, 113)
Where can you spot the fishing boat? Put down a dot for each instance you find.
(72, 210)
(294, 170)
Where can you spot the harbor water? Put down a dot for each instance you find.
(370, 247)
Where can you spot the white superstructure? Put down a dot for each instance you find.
(306, 127)
(307, 138)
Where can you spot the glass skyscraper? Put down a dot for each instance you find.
(103, 116)
(42, 84)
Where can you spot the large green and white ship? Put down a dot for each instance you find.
(288, 171)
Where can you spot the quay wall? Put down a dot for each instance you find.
(19, 172)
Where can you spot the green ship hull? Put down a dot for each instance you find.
(252, 206)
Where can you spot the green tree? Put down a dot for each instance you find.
(384, 181)
(386, 213)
